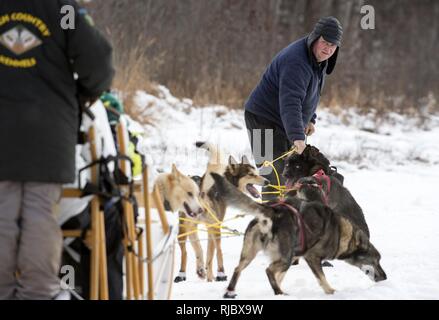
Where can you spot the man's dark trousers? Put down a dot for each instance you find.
(267, 143)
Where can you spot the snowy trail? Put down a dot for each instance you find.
(391, 168)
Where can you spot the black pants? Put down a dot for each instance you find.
(267, 143)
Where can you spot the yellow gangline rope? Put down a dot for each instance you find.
(218, 224)
(215, 225)
(209, 210)
(280, 189)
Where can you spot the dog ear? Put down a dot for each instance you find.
(244, 160)
(313, 151)
(313, 155)
(310, 152)
(232, 161)
(175, 173)
(306, 151)
(361, 240)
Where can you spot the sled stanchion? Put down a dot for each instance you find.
(161, 209)
(140, 264)
(95, 237)
(96, 268)
(134, 263)
(102, 259)
(150, 293)
(98, 275)
(94, 272)
(128, 254)
(132, 267)
(128, 244)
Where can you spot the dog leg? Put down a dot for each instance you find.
(209, 256)
(219, 259)
(315, 264)
(182, 243)
(274, 271)
(280, 277)
(248, 253)
(195, 242)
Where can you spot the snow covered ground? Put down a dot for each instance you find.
(392, 169)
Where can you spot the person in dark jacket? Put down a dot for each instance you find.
(45, 70)
(281, 110)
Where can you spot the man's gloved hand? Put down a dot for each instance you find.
(310, 129)
(300, 146)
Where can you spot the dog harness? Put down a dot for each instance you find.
(320, 176)
(299, 220)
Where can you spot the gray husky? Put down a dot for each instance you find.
(299, 227)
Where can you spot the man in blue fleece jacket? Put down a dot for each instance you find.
(283, 105)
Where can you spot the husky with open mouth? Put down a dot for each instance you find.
(242, 175)
(180, 193)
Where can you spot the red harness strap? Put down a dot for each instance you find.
(320, 175)
(299, 218)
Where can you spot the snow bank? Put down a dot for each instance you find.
(348, 139)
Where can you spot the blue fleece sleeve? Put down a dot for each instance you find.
(313, 119)
(293, 83)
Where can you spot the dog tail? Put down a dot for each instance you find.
(239, 200)
(215, 155)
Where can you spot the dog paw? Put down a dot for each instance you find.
(179, 279)
(221, 278)
(230, 295)
(279, 292)
(329, 291)
(201, 272)
(327, 264)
